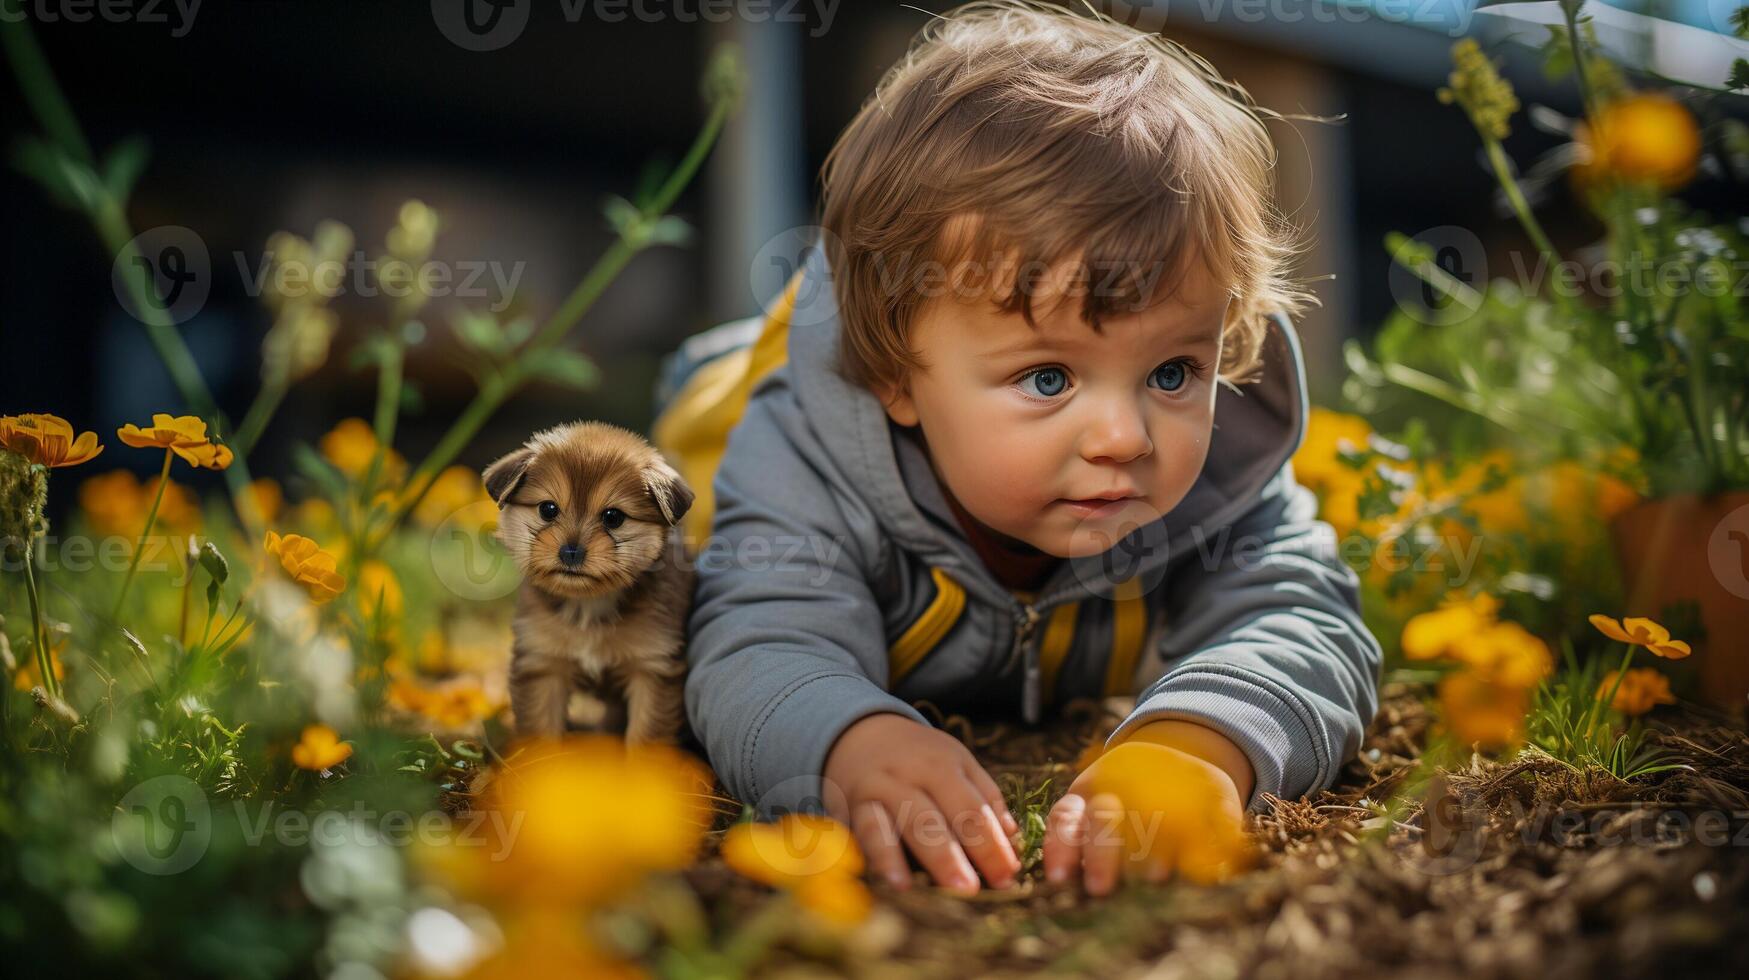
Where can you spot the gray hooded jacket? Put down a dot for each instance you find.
(832, 543)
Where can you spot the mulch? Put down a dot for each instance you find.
(1480, 869)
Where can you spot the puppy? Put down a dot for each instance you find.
(590, 512)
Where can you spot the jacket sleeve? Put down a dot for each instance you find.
(1264, 643)
(786, 643)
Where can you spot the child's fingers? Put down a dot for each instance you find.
(975, 824)
(880, 843)
(993, 793)
(925, 830)
(1102, 858)
(1065, 831)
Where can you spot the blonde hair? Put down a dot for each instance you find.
(1063, 138)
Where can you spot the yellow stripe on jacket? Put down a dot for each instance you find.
(694, 428)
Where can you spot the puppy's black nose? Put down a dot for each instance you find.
(571, 555)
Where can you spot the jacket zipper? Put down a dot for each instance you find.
(1026, 621)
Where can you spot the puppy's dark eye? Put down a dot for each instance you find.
(549, 511)
(612, 517)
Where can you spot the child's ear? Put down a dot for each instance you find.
(896, 398)
(503, 477)
(673, 497)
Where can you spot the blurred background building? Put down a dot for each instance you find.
(271, 114)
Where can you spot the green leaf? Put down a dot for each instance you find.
(214, 562)
(1739, 77)
(567, 367)
(123, 166)
(1740, 21)
(310, 463)
(477, 330)
(69, 183)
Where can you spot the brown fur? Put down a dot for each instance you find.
(612, 626)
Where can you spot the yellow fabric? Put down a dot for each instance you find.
(693, 429)
(921, 636)
(1054, 647)
(1128, 630)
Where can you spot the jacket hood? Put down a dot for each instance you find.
(1257, 428)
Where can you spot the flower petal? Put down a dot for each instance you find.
(1611, 628)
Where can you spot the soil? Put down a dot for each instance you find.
(1487, 868)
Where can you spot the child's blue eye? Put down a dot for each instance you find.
(1049, 382)
(1171, 375)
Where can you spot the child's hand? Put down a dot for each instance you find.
(1169, 798)
(903, 780)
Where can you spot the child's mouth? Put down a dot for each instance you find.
(1097, 506)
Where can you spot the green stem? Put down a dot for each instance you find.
(1587, 98)
(558, 326)
(260, 413)
(44, 663)
(1597, 707)
(1521, 207)
(140, 546)
(108, 215)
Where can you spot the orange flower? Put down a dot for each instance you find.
(320, 748)
(578, 821)
(268, 498)
(1642, 689)
(1482, 712)
(352, 444)
(117, 502)
(307, 564)
(47, 440)
(1647, 138)
(1506, 654)
(184, 435)
(1642, 632)
(1176, 819)
(813, 857)
(1433, 635)
(456, 704)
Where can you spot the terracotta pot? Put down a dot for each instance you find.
(1692, 548)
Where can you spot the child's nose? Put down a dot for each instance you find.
(1118, 433)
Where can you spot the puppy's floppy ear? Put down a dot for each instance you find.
(503, 477)
(673, 496)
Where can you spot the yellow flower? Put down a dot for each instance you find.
(1646, 138)
(1477, 86)
(1642, 689)
(1481, 712)
(454, 489)
(352, 444)
(29, 675)
(47, 440)
(1639, 631)
(267, 497)
(1433, 635)
(1176, 818)
(378, 587)
(116, 503)
(307, 564)
(1506, 654)
(320, 748)
(813, 857)
(455, 704)
(1318, 461)
(184, 435)
(581, 819)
